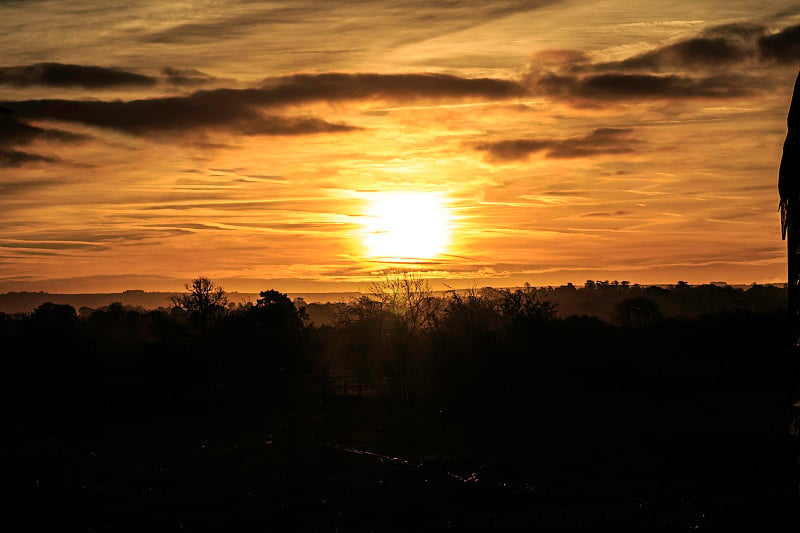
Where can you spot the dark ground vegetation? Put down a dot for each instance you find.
(490, 410)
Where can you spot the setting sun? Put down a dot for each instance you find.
(406, 225)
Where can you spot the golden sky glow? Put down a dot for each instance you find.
(279, 144)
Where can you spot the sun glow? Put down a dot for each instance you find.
(407, 226)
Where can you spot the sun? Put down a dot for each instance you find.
(406, 226)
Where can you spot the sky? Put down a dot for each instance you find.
(313, 145)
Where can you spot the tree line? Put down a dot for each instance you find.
(472, 351)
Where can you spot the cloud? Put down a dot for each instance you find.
(65, 75)
(96, 77)
(745, 32)
(600, 141)
(605, 214)
(334, 86)
(701, 66)
(50, 245)
(715, 48)
(407, 22)
(58, 238)
(19, 186)
(624, 86)
(240, 110)
(185, 76)
(205, 31)
(705, 52)
(230, 111)
(15, 158)
(783, 47)
(14, 133)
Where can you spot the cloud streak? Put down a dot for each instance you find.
(622, 86)
(229, 111)
(188, 77)
(241, 110)
(598, 142)
(14, 133)
(15, 158)
(302, 88)
(699, 67)
(93, 77)
(715, 48)
(65, 75)
(405, 22)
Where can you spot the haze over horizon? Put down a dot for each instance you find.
(309, 146)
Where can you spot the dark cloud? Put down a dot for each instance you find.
(704, 52)
(185, 76)
(697, 67)
(64, 75)
(227, 110)
(15, 133)
(336, 86)
(240, 110)
(744, 32)
(783, 47)
(624, 86)
(606, 214)
(15, 158)
(599, 141)
(714, 48)
(51, 245)
(96, 77)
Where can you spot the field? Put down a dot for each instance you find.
(473, 424)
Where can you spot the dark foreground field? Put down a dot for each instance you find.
(598, 462)
(551, 425)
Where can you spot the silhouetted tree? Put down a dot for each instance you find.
(204, 301)
(523, 307)
(409, 296)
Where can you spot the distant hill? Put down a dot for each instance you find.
(24, 302)
(598, 299)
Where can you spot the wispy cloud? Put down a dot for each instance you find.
(699, 67)
(15, 158)
(242, 110)
(598, 142)
(404, 22)
(14, 133)
(65, 75)
(229, 110)
(617, 86)
(302, 88)
(186, 76)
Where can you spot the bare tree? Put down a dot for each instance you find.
(203, 301)
(408, 295)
